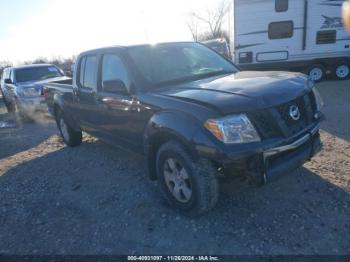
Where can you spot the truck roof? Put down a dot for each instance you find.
(130, 46)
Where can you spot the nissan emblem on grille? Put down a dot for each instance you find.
(294, 112)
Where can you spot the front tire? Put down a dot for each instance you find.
(70, 137)
(9, 106)
(189, 186)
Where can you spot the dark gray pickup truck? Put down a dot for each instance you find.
(193, 115)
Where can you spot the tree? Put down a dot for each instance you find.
(212, 19)
(192, 25)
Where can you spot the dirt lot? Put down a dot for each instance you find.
(96, 199)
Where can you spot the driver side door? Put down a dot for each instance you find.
(117, 107)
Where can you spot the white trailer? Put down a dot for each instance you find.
(295, 35)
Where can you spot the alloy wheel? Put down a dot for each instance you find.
(177, 180)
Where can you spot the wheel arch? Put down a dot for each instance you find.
(58, 106)
(164, 127)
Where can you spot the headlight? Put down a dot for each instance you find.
(318, 98)
(29, 92)
(233, 129)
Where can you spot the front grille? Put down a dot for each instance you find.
(294, 126)
(275, 122)
(265, 124)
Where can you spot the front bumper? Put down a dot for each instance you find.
(32, 105)
(268, 160)
(279, 161)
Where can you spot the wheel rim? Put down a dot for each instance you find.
(64, 129)
(316, 74)
(177, 180)
(342, 71)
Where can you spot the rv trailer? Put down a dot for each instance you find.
(295, 35)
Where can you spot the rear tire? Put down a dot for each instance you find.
(316, 72)
(189, 186)
(341, 71)
(70, 137)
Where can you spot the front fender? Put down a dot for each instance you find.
(165, 126)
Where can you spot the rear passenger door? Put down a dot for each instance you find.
(86, 92)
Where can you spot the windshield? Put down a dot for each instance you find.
(178, 62)
(37, 73)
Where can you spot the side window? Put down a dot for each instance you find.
(6, 74)
(326, 37)
(281, 5)
(81, 71)
(3, 75)
(113, 69)
(280, 30)
(87, 72)
(90, 72)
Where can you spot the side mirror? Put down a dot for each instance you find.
(8, 81)
(116, 86)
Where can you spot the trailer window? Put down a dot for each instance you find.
(326, 37)
(280, 30)
(281, 5)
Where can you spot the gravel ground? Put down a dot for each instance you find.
(96, 199)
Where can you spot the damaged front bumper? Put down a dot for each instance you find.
(267, 160)
(279, 160)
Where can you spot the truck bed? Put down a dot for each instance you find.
(62, 83)
(61, 89)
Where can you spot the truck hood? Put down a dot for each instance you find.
(242, 91)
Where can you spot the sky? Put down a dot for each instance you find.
(49, 28)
